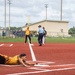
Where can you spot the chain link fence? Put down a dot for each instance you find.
(14, 34)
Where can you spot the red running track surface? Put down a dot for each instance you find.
(58, 59)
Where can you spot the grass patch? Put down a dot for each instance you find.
(11, 39)
(60, 40)
(34, 39)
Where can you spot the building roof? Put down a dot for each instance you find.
(47, 21)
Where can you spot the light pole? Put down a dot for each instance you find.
(9, 14)
(46, 6)
(9, 17)
(5, 15)
(61, 11)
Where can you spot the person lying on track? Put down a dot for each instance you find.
(16, 60)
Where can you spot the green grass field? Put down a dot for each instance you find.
(34, 39)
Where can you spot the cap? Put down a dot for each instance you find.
(27, 27)
(39, 26)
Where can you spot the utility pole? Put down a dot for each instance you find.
(61, 11)
(9, 14)
(5, 15)
(46, 6)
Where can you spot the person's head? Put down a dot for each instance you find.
(23, 56)
(2, 60)
(27, 28)
(39, 26)
(43, 27)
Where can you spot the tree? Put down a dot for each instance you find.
(72, 31)
(15, 28)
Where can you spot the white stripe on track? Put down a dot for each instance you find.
(39, 70)
(31, 50)
(11, 45)
(1, 44)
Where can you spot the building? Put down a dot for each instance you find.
(1, 31)
(54, 28)
(4, 32)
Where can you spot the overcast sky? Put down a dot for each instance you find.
(21, 9)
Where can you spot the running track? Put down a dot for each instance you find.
(58, 59)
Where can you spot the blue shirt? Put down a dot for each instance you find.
(40, 30)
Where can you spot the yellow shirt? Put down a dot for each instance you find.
(12, 60)
(27, 32)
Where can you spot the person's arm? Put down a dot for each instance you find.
(23, 63)
(38, 31)
(31, 63)
(45, 32)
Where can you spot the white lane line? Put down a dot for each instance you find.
(32, 53)
(53, 70)
(41, 65)
(1, 44)
(43, 71)
(11, 45)
(62, 69)
(10, 65)
(28, 72)
(45, 62)
(63, 65)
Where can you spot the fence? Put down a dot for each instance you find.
(33, 33)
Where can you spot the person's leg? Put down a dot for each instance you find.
(39, 37)
(29, 38)
(25, 38)
(2, 60)
(43, 40)
(5, 56)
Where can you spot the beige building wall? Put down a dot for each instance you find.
(53, 28)
(1, 32)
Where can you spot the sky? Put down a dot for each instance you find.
(20, 10)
